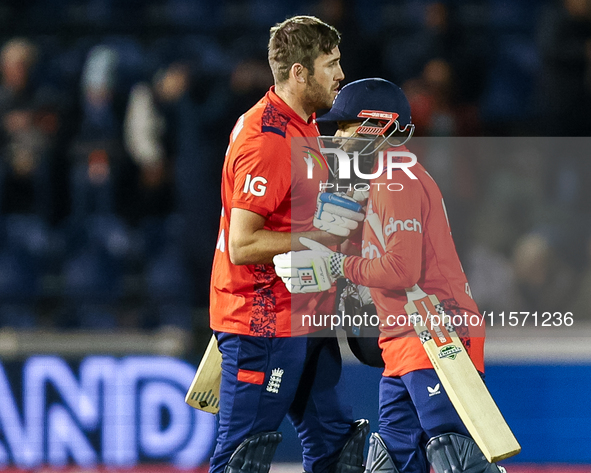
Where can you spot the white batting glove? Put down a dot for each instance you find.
(337, 213)
(313, 270)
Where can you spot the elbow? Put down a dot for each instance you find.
(400, 273)
(409, 277)
(237, 254)
(238, 259)
(234, 259)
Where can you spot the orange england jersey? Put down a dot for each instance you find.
(265, 172)
(419, 250)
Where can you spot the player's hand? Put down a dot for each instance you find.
(337, 213)
(313, 270)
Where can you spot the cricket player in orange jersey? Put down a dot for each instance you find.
(411, 245)
(267, 373)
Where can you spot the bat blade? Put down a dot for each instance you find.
(204, 392)
(461, 381)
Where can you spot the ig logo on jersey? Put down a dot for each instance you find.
(255, 185)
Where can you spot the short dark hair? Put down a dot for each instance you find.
(300, 39)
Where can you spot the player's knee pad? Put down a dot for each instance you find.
(457, 453)
(351, 456)
(378, 458)
(254, 455)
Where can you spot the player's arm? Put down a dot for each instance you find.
(398, 268)
(250, 243)
(399, 263)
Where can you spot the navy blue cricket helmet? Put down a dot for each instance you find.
(373, 94)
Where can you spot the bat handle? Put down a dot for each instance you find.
(415, 293)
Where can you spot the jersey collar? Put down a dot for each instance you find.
(278, 102)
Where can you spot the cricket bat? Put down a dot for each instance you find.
(459, 377)
(457, 373)
(204, 392)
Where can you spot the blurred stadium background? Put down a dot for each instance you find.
(114, 120)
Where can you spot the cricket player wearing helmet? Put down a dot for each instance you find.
(266, 372)
(412, 245)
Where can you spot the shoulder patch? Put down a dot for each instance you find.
(274, 121)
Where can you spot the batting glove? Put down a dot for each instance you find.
(313, 270)
(337, 213)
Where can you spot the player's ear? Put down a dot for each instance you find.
(299, 72)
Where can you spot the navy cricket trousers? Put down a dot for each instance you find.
(265, 379)
(413, 409)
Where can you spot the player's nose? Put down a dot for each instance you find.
(340, 74)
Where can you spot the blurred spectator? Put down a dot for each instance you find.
(177, 168)
(96, 150)
(564, 89)
(147, 140)
(29, 121)
(435, 103)
(546, 283)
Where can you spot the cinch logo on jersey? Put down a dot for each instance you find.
(369, 250)
(254, 185)
(403, 225)
(392, 163)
